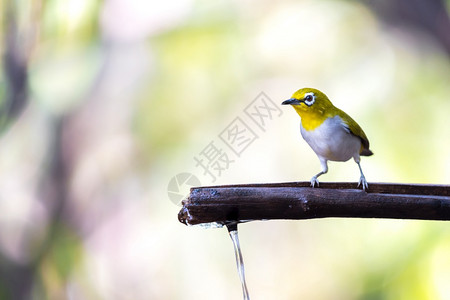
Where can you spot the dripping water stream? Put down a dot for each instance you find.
(233, 231)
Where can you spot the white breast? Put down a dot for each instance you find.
(332, 141)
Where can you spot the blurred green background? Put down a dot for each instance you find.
(104, 103)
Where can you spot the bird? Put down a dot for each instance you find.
(331, 133)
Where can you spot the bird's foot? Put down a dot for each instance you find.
(363, 182)
(314, 181)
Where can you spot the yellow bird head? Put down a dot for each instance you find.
(309, 101)
(313, 107)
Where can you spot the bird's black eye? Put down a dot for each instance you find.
(309, 99)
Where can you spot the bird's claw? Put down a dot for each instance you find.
(314, 181)
(363, 182)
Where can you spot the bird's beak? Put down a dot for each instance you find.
(291, 101)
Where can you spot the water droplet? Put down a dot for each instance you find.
(232, 230)
(209, 225)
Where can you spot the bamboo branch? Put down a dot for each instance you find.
(297, 200)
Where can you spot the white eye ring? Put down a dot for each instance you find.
(309, 99)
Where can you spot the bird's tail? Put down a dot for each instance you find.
(366, 152)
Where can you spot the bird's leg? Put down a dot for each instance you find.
(314, 179)
(324, 165)
(362, 179)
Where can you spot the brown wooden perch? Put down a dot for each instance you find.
(297, 200)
